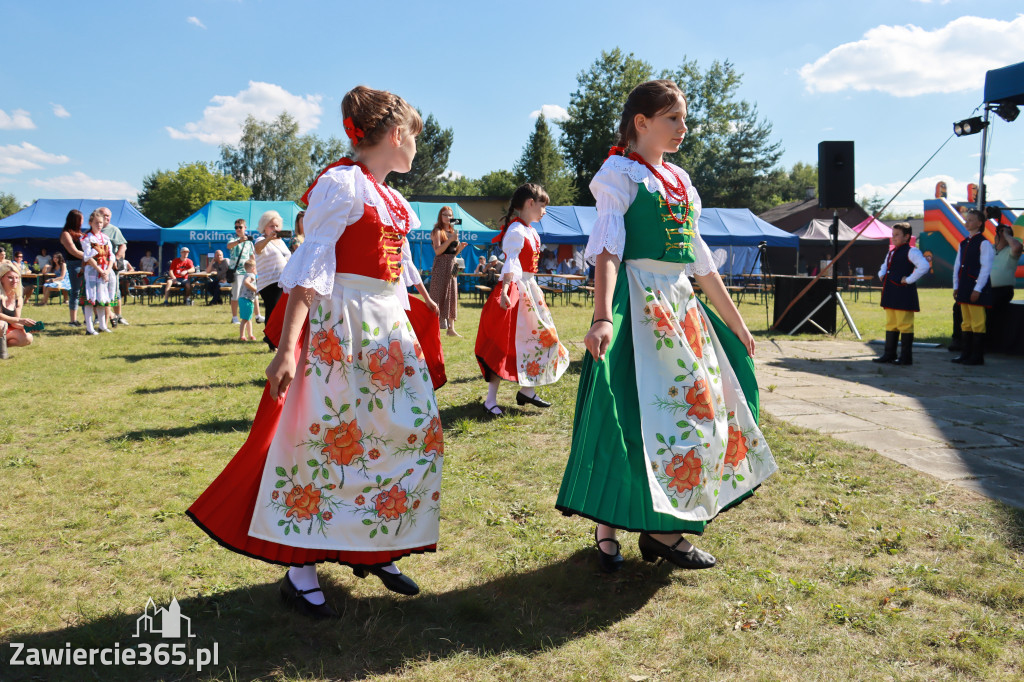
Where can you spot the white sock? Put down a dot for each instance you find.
(103, 321)
(527, 391)
(304, 578)
(88, 319)
(391, 568)
(492, 391)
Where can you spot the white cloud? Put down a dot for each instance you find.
(80, 186)
(906, 61)
(15, 158)
(552, 112)
(1000, 186)
(59, 111)
(222, 120)
(195, 22)
(452, 175)
(19, 119)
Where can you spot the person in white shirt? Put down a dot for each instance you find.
(42, 260)
(971, 287)
(272, 255)
(903, 266)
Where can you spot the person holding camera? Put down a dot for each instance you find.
(272, 255)
(241, 250)
(443, 287)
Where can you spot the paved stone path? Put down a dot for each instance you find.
(963, 425)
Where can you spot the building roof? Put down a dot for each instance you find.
(796, 214)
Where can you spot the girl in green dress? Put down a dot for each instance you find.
(665, 435)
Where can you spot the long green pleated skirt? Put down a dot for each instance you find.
(628, 450)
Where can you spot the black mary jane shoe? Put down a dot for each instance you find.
(522, 399)
(396, 582)
(294, 597)
(609, 563)
(652, 550)
(493, 411)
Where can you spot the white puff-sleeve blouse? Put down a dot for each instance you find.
(512, 245)
(336, 201)
(615, 187)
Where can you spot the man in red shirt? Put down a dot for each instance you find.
(180, 268)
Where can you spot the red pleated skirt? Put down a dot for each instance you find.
(216, 510)
(496, 336)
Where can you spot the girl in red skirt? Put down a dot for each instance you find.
(343, 462)
(517, 340)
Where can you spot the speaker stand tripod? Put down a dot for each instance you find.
(835, 288)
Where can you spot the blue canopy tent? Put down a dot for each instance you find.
(1005, 85)
(736, 233)
(566, 224)
(213, 225)
(43, 220)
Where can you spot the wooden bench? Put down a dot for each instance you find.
(482, 292)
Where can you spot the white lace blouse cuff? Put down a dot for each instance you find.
(705, 263)
(312, 267)
(609, 234)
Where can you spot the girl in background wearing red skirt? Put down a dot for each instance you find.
(517, 340)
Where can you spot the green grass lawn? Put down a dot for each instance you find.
(844, 566)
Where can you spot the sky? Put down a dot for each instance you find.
(95, 96)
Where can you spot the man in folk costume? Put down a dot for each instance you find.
(971, 287)
(899, 273)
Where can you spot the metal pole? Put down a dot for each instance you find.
(980, 199)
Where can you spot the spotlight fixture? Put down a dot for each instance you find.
(1007, 111)
(969, 126)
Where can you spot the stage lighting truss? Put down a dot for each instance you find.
(969, 126)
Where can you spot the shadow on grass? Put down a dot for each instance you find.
(196, 340)
(220, 426)
(259, 382)
(162, 355)
(474, 412)
(517, 614)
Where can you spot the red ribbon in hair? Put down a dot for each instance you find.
(354, 134)
(616, 151)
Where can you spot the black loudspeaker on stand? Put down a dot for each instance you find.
(835, 191)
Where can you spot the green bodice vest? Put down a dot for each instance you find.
(651, 232)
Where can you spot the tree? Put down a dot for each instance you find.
(460, 186)
(271, 159)
(322, 153)
(500, 183)
(168, 197)
(728, 151)
(433, 146)
(8, 205)
(594, 112)
(798, 184)
(541, 163)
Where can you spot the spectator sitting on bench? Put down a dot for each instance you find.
(218, 269)
(61, 281)
(180, 269)
(150, 264)
(568, 267)
(492, 272)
